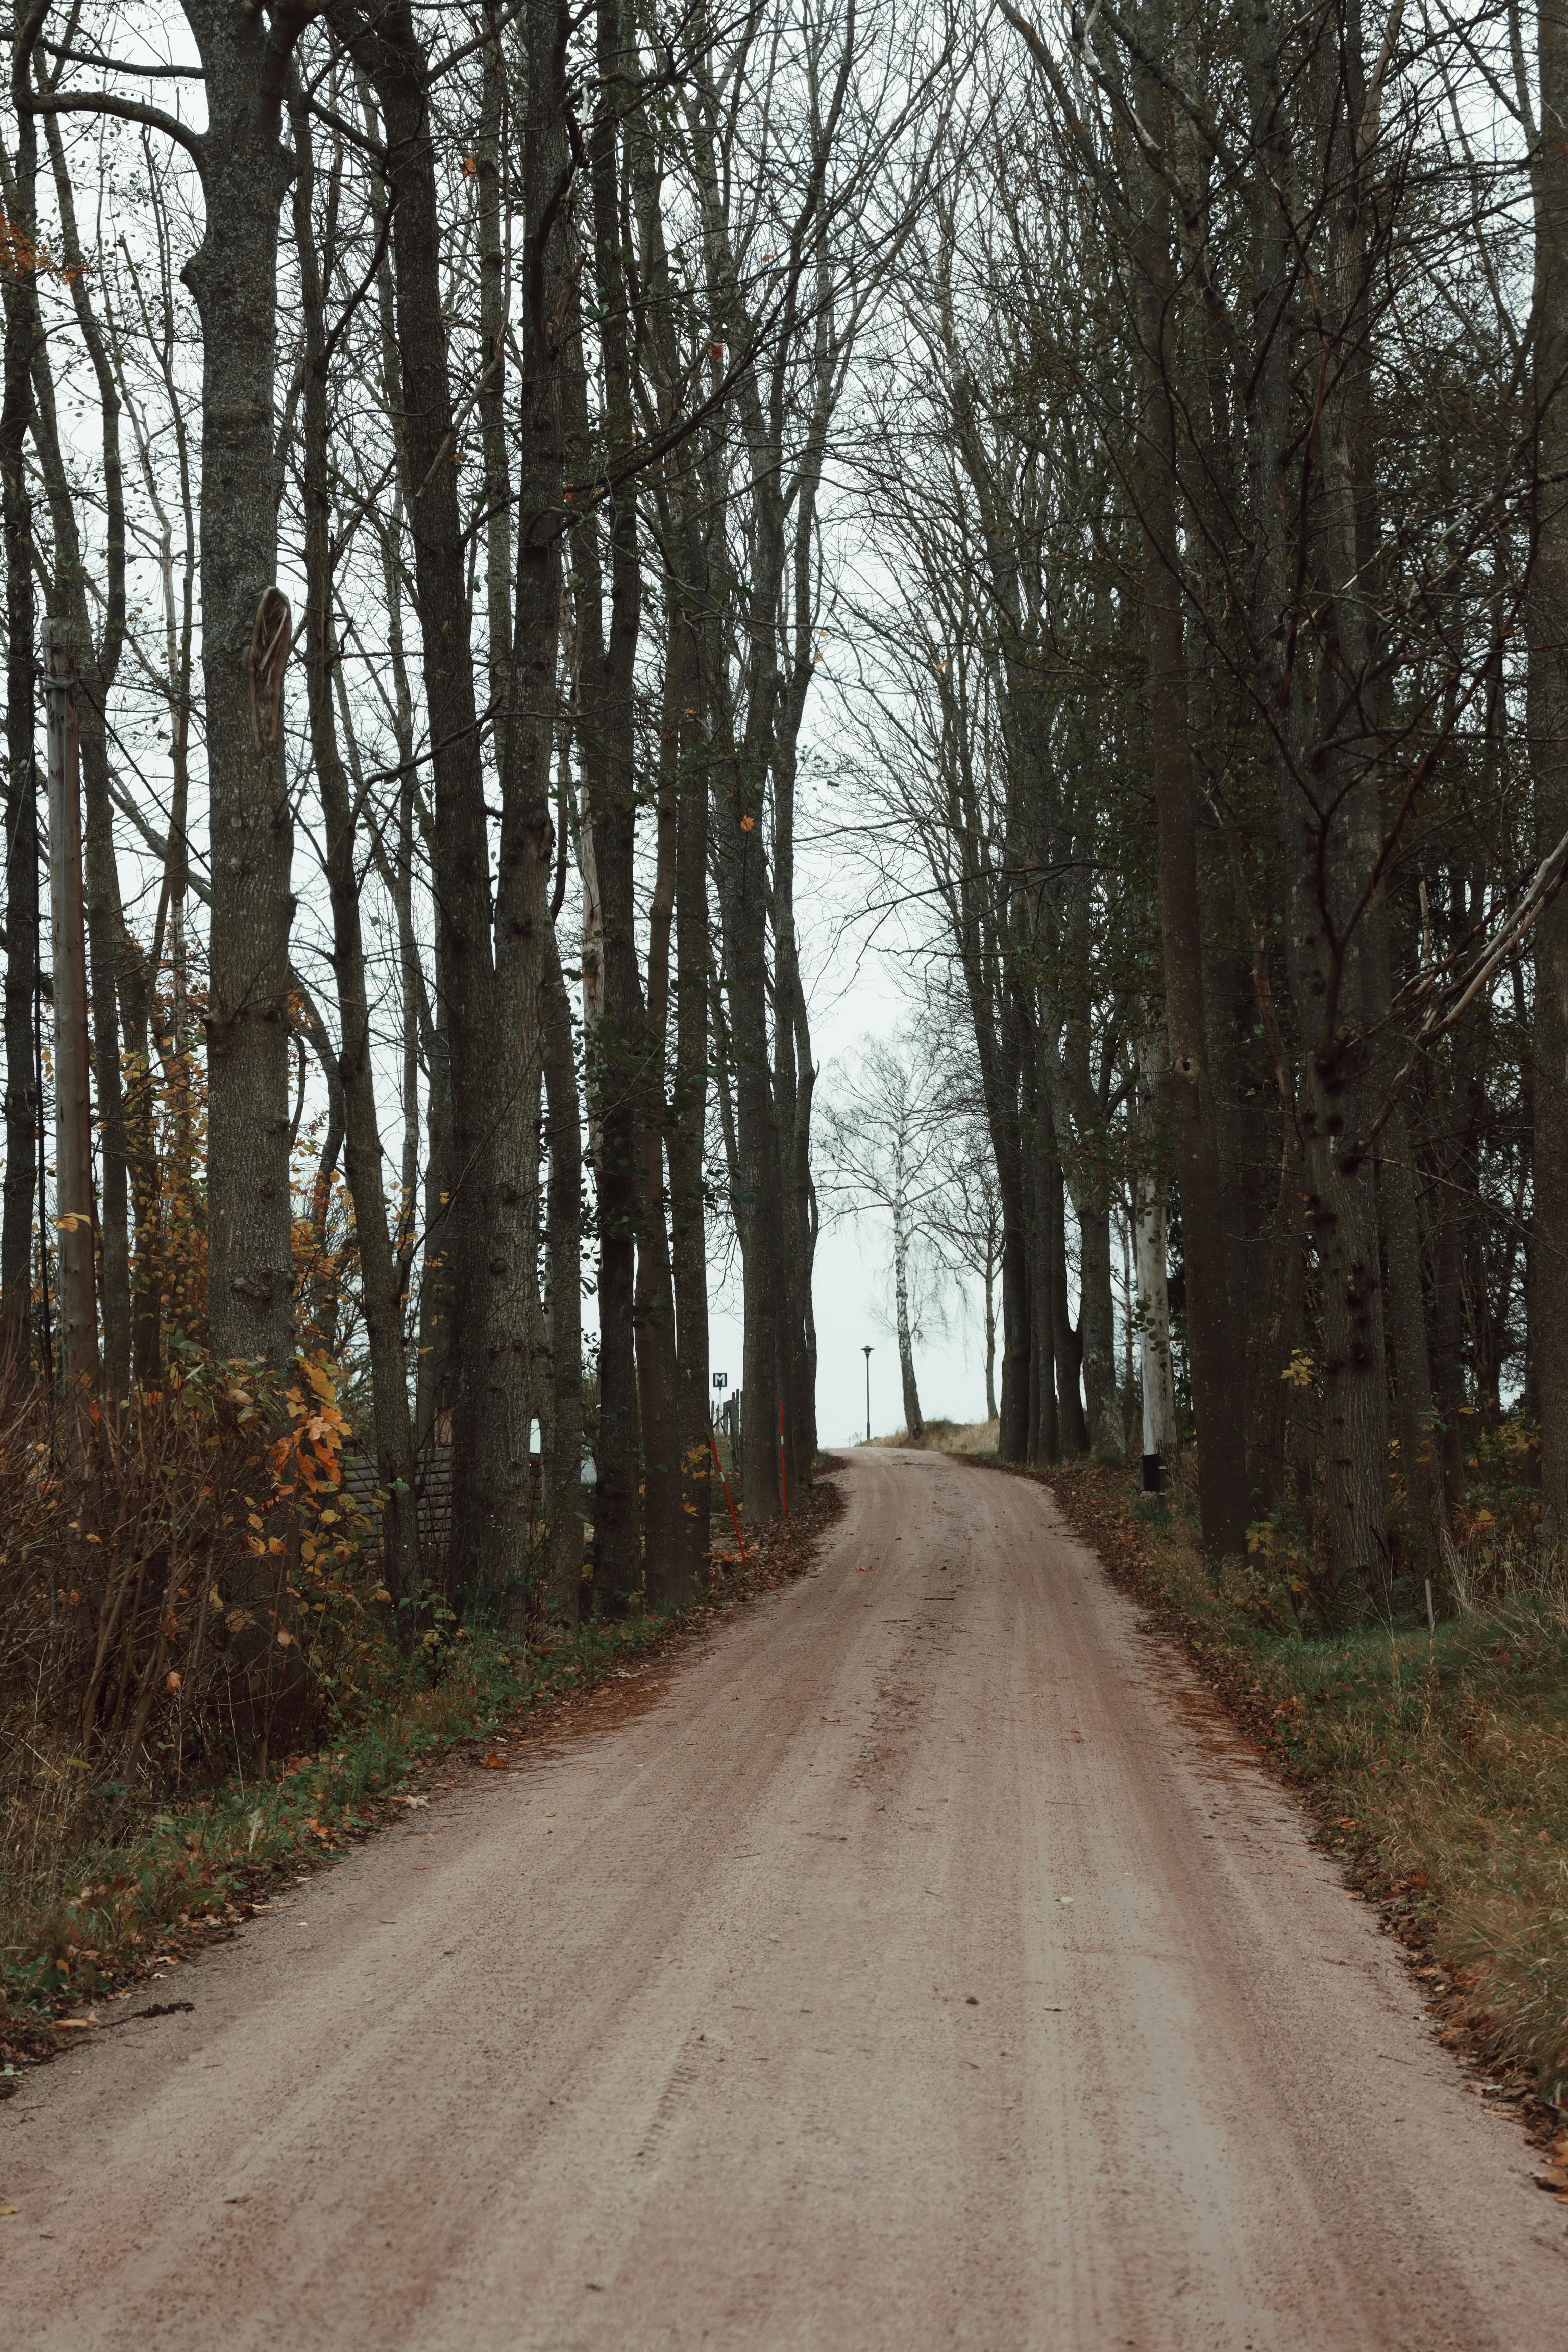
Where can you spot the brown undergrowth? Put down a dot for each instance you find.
(141, 1891)
(1436, 1761)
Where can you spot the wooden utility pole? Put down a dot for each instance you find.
(73, 1101)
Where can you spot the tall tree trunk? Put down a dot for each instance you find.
(1045, 1430)
(1155, 1373)
(1096, 1325)
(1548, 725)
(379, 1290)
(759, 1211)
(1070, 1422)
(605, 689)
(564, 1241)
(663, 1519)
(387, 45)
(1327, 783)
(23, 336)
(913, 1425)
(1213, 1361)
(1396, 1194)
(1000, 1069)
(136, 971)
(97, 664)
(793, 1083)
(1399, 1214)
(525, 683)
(101, 891)
(990, 1337)
(244, 646)
(684, 1145)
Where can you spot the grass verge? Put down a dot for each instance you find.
(947, 1437)
(156, 1882)
(1435, 1758)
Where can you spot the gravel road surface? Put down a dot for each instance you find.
(922, 1962)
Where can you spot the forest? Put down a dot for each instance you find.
(494, 495)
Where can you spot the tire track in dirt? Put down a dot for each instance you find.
(917, 1967)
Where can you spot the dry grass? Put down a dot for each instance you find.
(1438, 1757)
(105, 1857)
(186, 1601)
(949, 1437)
(182, 1598)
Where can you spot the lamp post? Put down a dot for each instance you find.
(867, 1353)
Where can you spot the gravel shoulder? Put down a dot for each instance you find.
(923, 1962)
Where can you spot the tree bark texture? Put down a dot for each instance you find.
(1548, 724)
(245, 643)
(387, 45)
(23, 336)
(381, 1290)
(1189, 1098)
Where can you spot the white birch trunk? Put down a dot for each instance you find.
(913, 1425)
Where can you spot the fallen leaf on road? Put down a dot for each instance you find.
(1064, 1898)
(6, 2210)
(495, 1763)
(864, 1569)
(411, 1802)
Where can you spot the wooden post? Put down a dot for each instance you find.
(73, 1101)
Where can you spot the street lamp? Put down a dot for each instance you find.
(867, 1353)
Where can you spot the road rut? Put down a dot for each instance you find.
(925, 1964)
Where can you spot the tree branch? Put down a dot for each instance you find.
(127, 110)
(69, 56)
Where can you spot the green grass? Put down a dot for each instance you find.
(1439, 1759)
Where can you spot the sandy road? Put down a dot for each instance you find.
(924, 1967)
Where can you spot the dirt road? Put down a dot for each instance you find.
(924, 1966)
